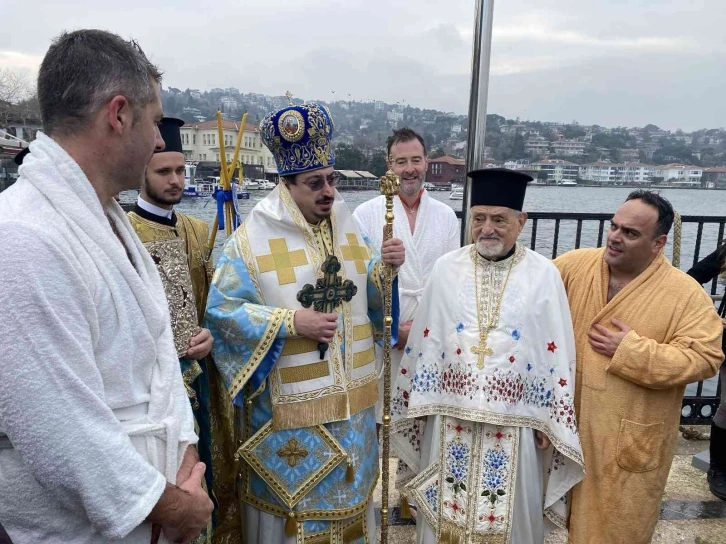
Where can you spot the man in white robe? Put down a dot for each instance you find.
(96, 432)
(428, 229)
(490, 365)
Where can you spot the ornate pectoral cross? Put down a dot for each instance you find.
(328, 292)
(482, 350)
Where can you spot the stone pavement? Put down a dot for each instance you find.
(689, 513)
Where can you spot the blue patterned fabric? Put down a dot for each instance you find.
(317, 452)
(237, 319)
(299, 138)
(358, 438)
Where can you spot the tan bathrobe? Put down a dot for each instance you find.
(628, 406)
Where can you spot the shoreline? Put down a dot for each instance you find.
(630, 186)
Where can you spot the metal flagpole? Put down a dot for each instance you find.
(477, 101)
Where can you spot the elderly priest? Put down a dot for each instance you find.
(306, 379)
(490, 365)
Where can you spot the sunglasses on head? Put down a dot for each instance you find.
(316, 183)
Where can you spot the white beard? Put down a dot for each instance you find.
(490, 251)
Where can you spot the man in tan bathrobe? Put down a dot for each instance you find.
(643, 331)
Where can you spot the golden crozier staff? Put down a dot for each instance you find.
(390, 186)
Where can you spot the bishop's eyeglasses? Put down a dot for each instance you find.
(316, 183)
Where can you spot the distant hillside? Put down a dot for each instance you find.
(363, 127)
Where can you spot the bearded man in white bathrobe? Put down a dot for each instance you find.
(96, 432)
(428, 229)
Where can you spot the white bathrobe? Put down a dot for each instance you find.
(436, 233)
(92, 402)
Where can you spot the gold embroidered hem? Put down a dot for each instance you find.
(416, 488)
(189, 375)
(328, 408)
(290, 323)
(453, 534)
(363, 397)
(506, 420)
(274, 324)
(307, 515)
(302, 414)
(341, 532)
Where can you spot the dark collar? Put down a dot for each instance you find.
(155, 218)
(505, 257)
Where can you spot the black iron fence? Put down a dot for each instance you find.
(553, 233)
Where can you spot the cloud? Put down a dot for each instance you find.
(23, 62)
(604, 61)
(543, 34)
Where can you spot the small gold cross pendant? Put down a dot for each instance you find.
(482, 350)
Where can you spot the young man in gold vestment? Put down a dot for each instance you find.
(154, 220)
(643, 331)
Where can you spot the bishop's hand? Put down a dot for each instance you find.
(316, 325)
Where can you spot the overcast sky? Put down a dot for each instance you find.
(611, 62)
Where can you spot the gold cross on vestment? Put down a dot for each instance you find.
(293, 452)
(355, 252)
(282, 261)
(482, 350)
(288, 95)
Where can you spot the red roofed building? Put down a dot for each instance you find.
(446, 170)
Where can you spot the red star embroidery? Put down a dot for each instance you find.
(492, 518)
(562, 382)
(454, 507)
(551, 346)
(426, 332)
(458, 428)
(499, 435)
(511, 358)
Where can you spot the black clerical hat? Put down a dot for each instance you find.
(170, 133)
(18, 159)
(498, 187)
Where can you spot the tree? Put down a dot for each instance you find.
(518, 148)
(349, 157)
(436, 153)
(14, 87)
(574, 132)
(674, 151)
(377, 164)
